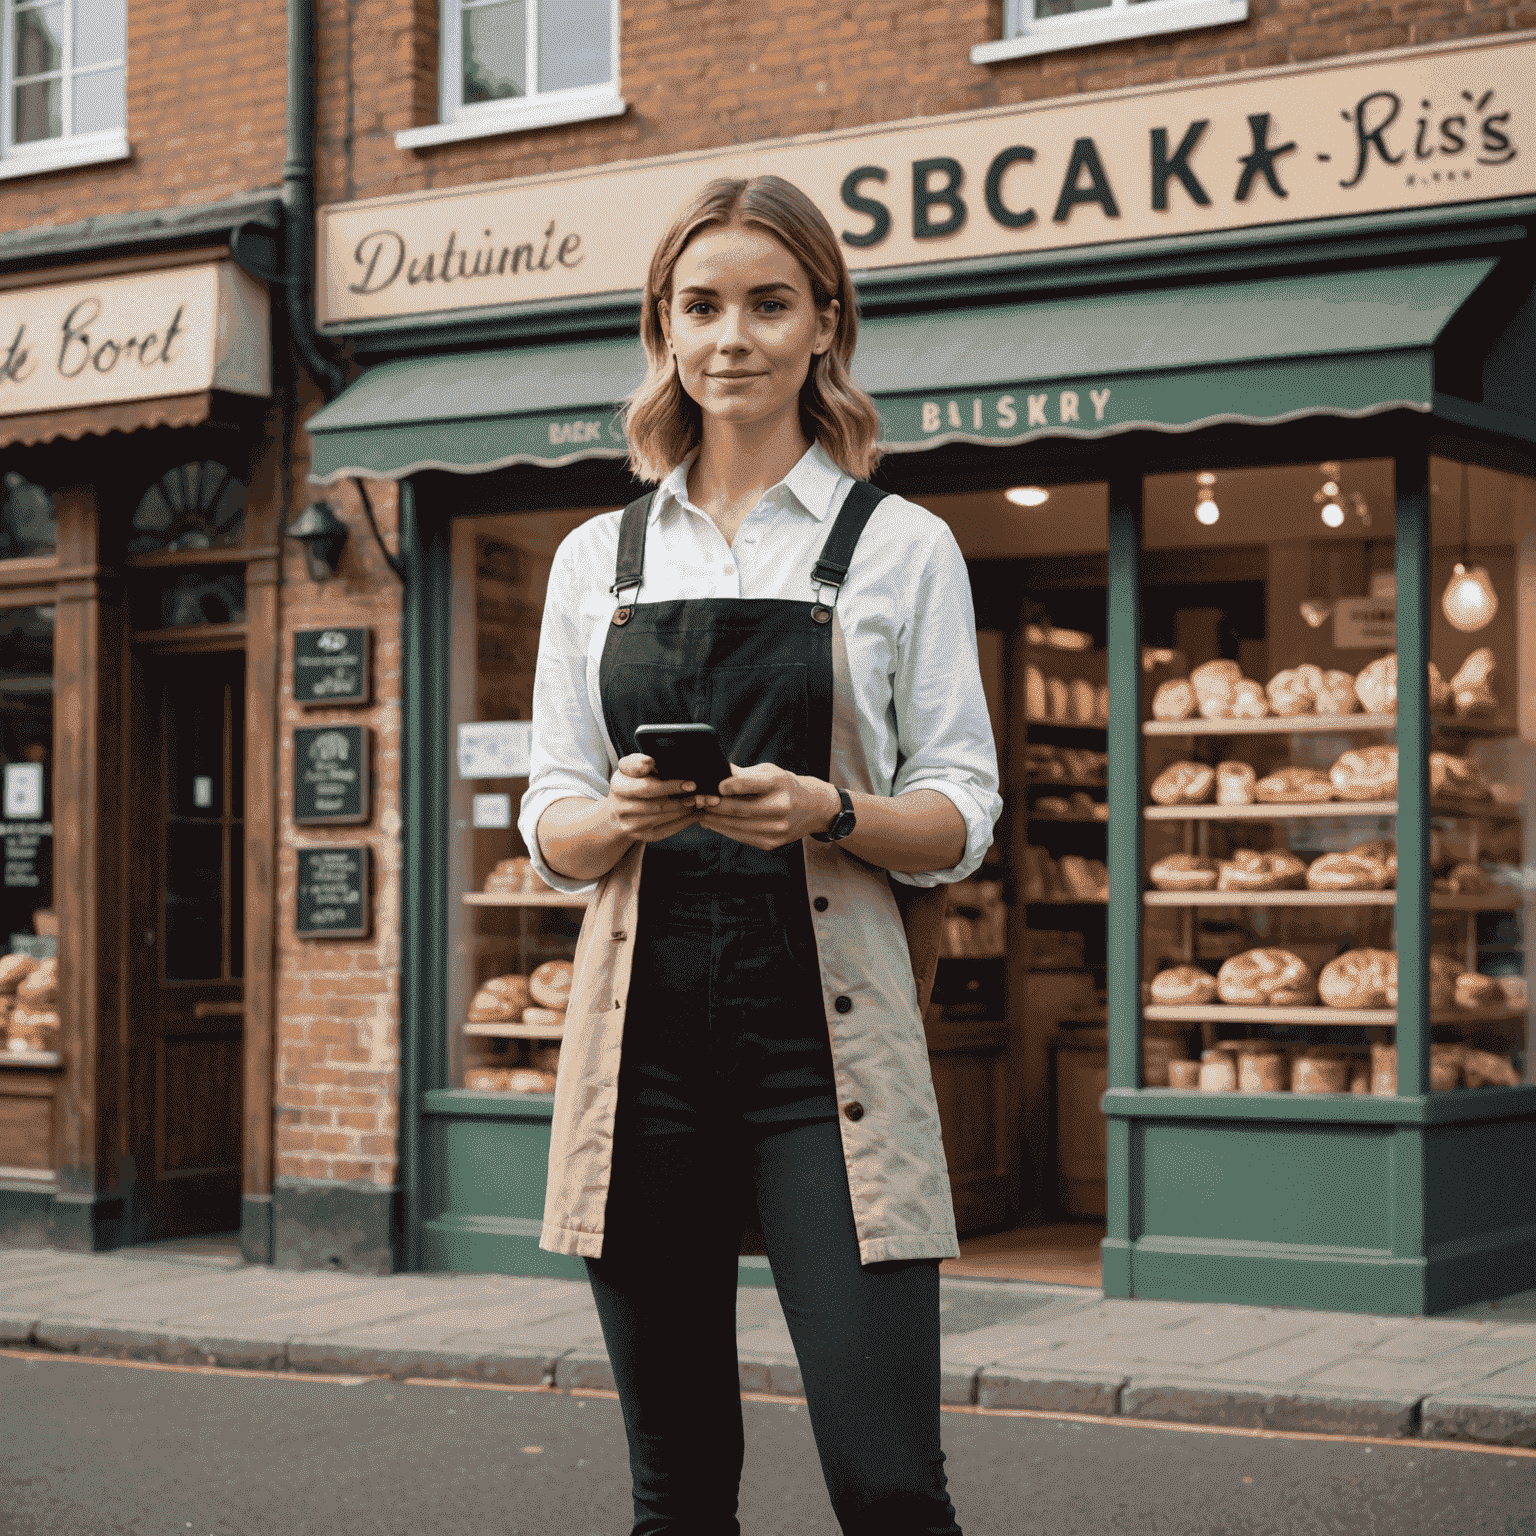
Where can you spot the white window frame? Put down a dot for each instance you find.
(538, 109)
(1025, 34)
(68, 150)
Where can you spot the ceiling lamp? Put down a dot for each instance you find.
(1328, 498)
(1469, 601)
(1316, 612)
(1027, 495)
(1206, 510)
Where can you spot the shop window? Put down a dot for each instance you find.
(1271, 808)
(507, 65)
(28, 522)
(1047, 26)
(29, 1018)
(200, 505)
(63, 66)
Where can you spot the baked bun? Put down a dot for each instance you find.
(1082, 701)
(1248, 700)
(1346, 872)
(550, 984)
(1460, 880)
(1270, 977)
(1034, 692)
(1215, 684)
(40, 985)
(1474, 990)
(1453, 775)
(1183, 985)
(1057, 698)
(1335, 694)
(530, 1080)
(1174, 700)
(1218, 1072)
(13, 969)
(1234, 783)
(1359, 978)
(1470, 689)
(544, 1018)
(487, 1079)
(1084, 879)
(1247, 870)
(1376, 686)
(1184, 784)
(1294, 786)
(500, 1001)
(1480, 1067)
(1293, 692)
(1320, 1070)
(1381, 851)
(33, 1029)
(1183, 1074)
(1366, 773)
(1184, 872)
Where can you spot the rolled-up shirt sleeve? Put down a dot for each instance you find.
(569, 756)
(943, 729)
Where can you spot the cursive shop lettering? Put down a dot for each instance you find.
(81, 347)
(384, 256)
(1477, 128)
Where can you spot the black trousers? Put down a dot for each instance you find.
(726, 1104)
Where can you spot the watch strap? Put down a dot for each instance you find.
(842, 824)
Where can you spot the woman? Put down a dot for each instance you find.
(744, 1044)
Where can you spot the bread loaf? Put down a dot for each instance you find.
(1318, 1071)
(40, 985)
(1366, 773)
(1453, 775)
(1034, 692)
(1082, 701)
(1184, 872)
(550, 984)
(1382, 851)
(1184, 783)
(1292, 693)
(515, 876)
(13, 970)
(1335, 694)
(1462, 879)
(500, 1000)
(1474, 990)
(1346, 872)
(1266, 977)
(1359, 1075)
(1057, 699)
(1383, 1068)
(1183, 1074)
(1215, 684)
(1248, 870)
(487, 1079)
(1294, 786)
(544, 1018)
(1234, 783)
(530, 1080)
(1218, 1072)
(1359, 978)
(1481, 1067)
(1249, 701)
(1470, 689)
(34, 1029)
(1261, 1072)
(1184, 984)
(1174, 700)
(1376, 686)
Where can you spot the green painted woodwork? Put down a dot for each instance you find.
(1480, 1179)
(1458, 1106)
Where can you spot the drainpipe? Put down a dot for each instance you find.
(299, 202)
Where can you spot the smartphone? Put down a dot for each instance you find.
(688, 752)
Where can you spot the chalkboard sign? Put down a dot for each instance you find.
(332, 769)
(334, 900)
(330, 666)
(29, 859)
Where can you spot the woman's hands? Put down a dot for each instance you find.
(645, 809)
(767, 807)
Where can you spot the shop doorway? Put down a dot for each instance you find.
(186, 943)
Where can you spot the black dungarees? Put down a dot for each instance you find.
(727, 1113)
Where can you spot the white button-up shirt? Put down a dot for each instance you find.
(905, 611)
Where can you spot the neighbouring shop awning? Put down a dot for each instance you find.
(1171, 359)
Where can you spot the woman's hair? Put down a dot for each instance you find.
(663, 422)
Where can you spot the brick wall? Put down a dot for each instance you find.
(702, 73)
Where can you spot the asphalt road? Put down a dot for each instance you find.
(91, 1449)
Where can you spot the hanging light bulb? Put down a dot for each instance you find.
(1027, 495)
(1329, 498)
(1469, 601)
(1333, 514)
(1316, 612)
(1206, 510)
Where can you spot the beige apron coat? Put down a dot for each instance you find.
(897, 1176)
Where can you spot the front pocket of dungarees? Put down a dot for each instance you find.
(761, 714)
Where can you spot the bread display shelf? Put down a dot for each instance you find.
(1314, 725)
(522, 899)
(516, 1031)
(1439, 901)
(1065, 783)
(1482, 810)
(1237, 1013)
(1067, 725)
(1090, 821)
(30, 1058)
(1066, 901)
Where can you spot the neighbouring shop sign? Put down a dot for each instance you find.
(495, 749)
(330, 666)
(333, 899)
(332, 768)
(138, 337)
(1410, 128)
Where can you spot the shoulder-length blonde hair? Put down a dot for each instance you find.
(663, 422)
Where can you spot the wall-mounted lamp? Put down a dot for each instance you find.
(323, 536)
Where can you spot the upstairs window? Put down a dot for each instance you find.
(1049, 26)
(63, 65)
(511, 64)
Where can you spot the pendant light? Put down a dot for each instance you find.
(1206, 510)
(1469, 601)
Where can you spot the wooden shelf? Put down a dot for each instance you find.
(1481, 810)
(1088, 821)
(1314, 725)
(522, 899)
(1440, 901)
(30, 1059)
(516, 1031)
(1065, 783)
(1235, 1013)
(1067, 725)
(1066, 901)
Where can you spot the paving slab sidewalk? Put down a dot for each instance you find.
(1470, 1375)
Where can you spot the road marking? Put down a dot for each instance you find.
(1117, 1421)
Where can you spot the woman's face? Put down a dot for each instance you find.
(743, 325)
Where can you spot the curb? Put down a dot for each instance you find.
(1315, 1410)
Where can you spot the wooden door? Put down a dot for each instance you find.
(186, 944)
(970, 1081)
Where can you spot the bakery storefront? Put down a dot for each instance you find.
(1225, 390)
(137, 533)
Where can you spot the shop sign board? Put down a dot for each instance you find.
(1404, 129)
(495, 749)
(139, 337)
(1365, 624)
(333, 896)
(330, 666)
(332, 769)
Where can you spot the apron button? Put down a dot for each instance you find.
(619, 933)
(820, 903)
(843, 1004)
(821, 613)
(854, 1111)
(621, 616)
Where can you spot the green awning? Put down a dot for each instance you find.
(1171, 359)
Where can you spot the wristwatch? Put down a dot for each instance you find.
(842, 824)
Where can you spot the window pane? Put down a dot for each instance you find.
(194, 901)
(575, 43)
(28, 525)
(99, 33)
(39, 40)
(37, 112)
(1045, 8)
(495, 52)
(99, 101)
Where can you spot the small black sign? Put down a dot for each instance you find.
(29, 858)
(332, 769)
(330, 666)
(334, 900)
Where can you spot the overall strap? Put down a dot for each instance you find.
(831, 570)
(629, 568)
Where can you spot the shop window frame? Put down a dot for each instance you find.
(68, 150)
(1025, 34)
(538, 109)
